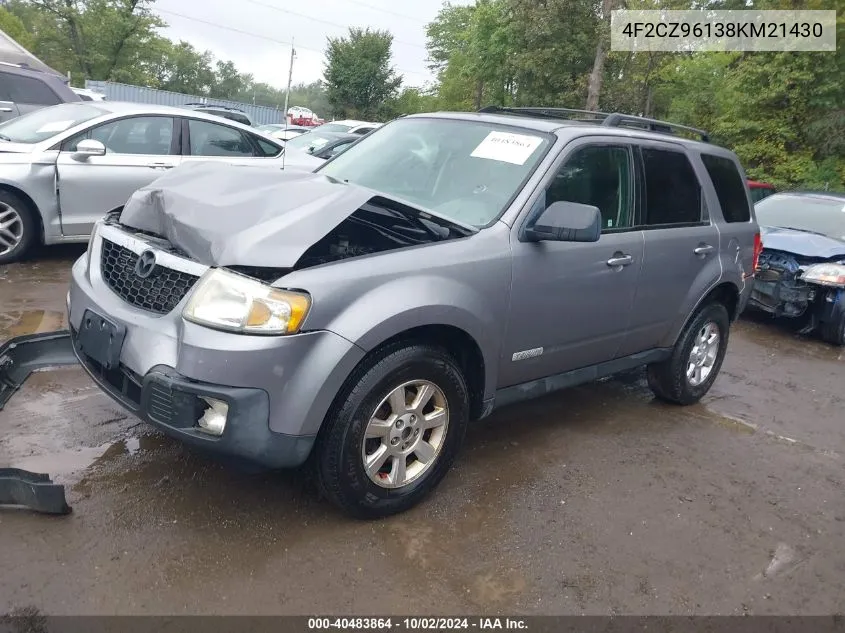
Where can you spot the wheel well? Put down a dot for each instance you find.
(461, 346)
(30, 203)
(726, 294)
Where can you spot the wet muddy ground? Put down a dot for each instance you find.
(596, 500)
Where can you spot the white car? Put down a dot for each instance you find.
(63, 168)
(89, 95)
(298, 112)
(350, 126)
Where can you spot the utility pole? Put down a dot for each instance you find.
(290, 80)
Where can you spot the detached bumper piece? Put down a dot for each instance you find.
(21, 356)
(32, 490)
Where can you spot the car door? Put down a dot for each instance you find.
(681, 244)
(213, 141)
(8, 108)
(570, 301)
(139, 149)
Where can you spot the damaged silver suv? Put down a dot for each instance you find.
(444, 266)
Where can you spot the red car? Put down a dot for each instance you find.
(760, 190)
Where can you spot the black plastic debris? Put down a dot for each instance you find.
(21, 356)
(32, 490)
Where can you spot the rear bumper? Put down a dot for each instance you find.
(172, 403)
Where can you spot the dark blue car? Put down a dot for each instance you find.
(801, 271)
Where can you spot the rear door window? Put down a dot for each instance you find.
(730, 188)
(29, 90)
(213, 139)
(671, 191)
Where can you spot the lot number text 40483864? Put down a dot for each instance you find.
(417, 623)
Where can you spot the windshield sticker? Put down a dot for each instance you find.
(507, 148)
(54, 126)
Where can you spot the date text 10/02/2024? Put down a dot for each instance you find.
(422, 623)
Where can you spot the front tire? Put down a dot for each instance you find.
(687, 375)
(833, 332)
(18, 227)
(394, 433)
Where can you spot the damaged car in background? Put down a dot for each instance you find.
(801, 271)
(444, 265)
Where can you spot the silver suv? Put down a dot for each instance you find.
(444, 266)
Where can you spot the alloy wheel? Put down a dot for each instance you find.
(11, 228)
(405, 434)
(703, 354)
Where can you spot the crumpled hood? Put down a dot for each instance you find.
(225, 215)
(802, 243)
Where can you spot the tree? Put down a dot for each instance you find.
(182, 68)
(358, 74)
(94, 39)
(228, 82)
(12, 26)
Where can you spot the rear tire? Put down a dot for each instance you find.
(367, 459)
(18, 227)
(687, 375)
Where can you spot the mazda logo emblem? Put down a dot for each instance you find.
(145, 265)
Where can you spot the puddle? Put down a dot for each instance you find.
(68, 464)
(62, 464)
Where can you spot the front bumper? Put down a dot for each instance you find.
(172, 403)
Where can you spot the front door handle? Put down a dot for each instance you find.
(620, 259)
(5, 109)
(703, 249)
(160, 166)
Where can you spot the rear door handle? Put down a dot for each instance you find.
(5, 109)
(620, 259)
(160, 166)
(703, 249)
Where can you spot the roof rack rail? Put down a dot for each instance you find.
(607, 119)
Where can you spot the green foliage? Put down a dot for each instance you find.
(358, 74)
(12, 26)
(782, 113)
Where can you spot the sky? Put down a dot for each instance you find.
(256, 34)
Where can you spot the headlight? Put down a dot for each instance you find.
(226, 301)
(825, 274)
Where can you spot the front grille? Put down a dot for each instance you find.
(160, 292)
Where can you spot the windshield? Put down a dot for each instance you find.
(805, 213)
(335, 127)
(308, 141)
(45, 123)
(464, 170)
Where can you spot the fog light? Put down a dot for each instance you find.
(213, 421)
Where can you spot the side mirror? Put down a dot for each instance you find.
(87, 148)
(566, 222)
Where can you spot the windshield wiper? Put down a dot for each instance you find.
(795, 228)
(3, 137)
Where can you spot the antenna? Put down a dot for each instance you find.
(287, 98)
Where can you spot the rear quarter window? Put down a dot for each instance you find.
(730, 188)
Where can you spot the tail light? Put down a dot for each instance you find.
(758, 248)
